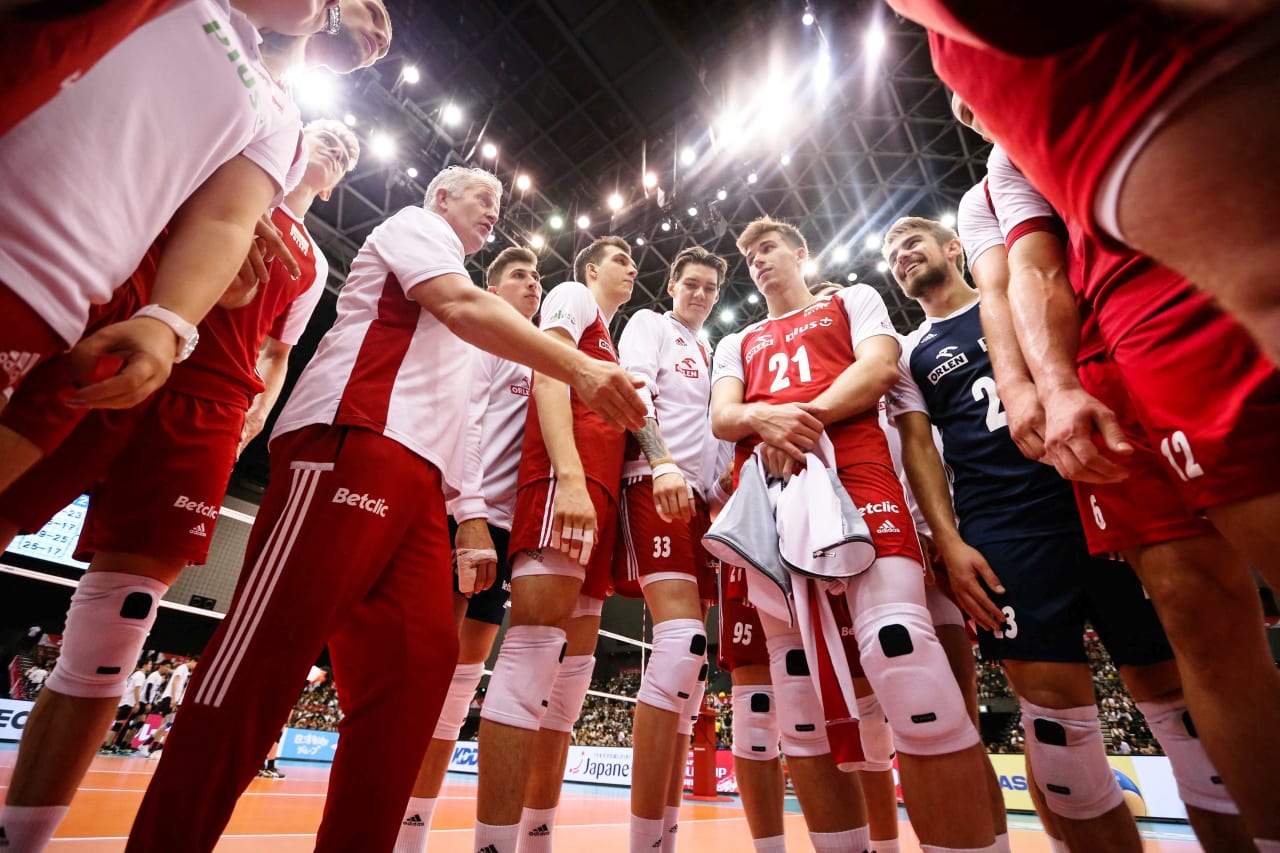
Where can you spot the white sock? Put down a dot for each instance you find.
(670, 827)
(646, 834)
(1002, 843)
(496, 839)
(1057, 845)
(536, 826)
(994, 847)
(888, 845)
(855, 840)
(415, 826)
(1266, 846)
(30, 827)
(772, 844)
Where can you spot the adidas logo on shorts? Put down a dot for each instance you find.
(198, 530)
(488, 848)
(887, 527)
(416, 820)
(540, 831)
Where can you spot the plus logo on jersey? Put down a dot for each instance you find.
(521, 388)
(821, 322)
(376, 506)
(688, 367)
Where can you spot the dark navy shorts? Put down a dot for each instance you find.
(1053, 588)
(489, 605)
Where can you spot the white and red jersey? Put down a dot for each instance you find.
(571, 307)
(224, 366)
(96, 173)
(673, 363)
(894, 441)
(388, 364)
(496, 411)
(977, 224)
(795, 357)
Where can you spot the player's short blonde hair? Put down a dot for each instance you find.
(349, 140)
(507, 257)
(758, 228)
(456, 180)
(935, 229)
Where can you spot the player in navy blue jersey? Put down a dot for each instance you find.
(1018, 561)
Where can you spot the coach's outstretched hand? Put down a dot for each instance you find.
(147, 348)
(610, 392)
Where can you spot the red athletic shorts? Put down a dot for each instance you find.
(43, 54)
(1144, 509)
(741, 641)
(877, 492)
(25, 340)
(651, 548)
(1208, 397)
(156, 476)
(531, 531)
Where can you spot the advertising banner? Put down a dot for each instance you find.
(13, 718)
(1147, 782)
(308, 745)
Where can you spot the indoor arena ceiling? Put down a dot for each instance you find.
(826, 115)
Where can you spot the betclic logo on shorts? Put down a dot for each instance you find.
(366, 502)
(198, 507)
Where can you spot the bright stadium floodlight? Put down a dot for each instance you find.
(853, 276)
(349, 119)
(883, 266)
(872, 242)
(523, 183)
(410, 74)
(948, 219)
(840, 254)
(451, 115)
(722, 195)
(874, 43)
(688, 156)
(650, 180)
(807, 18)
(666, 226)
(411, 172)
(615, 202)
(382, 146)
(639, 241)
(726, 315)
(810, 268)
(752, 178)
(315, 89)
(537, 242)
(556, 221)
(584, 222)
(786, 159)
(489, 151)
(693, 211)
(753, 299)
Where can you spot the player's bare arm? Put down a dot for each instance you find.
(861, 385)
(487, 322)
(209, 235)
(1014, 384)
(273, 366)
(967, 569)
(670, 491)
(1047, 321)
(573, 525)
(267, 245)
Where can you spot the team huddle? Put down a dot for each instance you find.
(1085, 438)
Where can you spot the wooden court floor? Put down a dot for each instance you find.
(281, 815)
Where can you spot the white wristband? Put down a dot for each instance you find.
(665, 468)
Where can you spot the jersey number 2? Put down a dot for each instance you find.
(985, 387)
(779, 362)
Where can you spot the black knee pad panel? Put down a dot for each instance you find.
(698, 645)
(760, 703)
(1050, 732)
(895, 641)
(797, 663)
(136, 605)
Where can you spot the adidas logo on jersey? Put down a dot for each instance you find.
(681, 342)
(416, 820)
(887, 527)
(540, 831)
(198, 530)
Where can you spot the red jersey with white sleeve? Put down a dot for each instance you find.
(496, 412)
(795, 357)
(225, 365)
(182, 95)
(601, 447)
(389, 365)
(673, 363)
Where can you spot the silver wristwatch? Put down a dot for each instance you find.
(187, 334)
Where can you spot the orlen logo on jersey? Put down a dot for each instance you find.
(817, 306)
(763, 342)
(377, 506)
(198, 507)
(880, 506)
(689, 368)
(800, 330)
(521, 388)
(607, 347)
(947, 366)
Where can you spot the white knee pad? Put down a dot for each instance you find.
(110, 616)
(569, 692)
(908, 670)
(877, 736)
(804, 731)
(693, 705)
(1069, 761)
(462, 689)
(755, 723)
(679, 646)
(527, 666)
(1198, 781)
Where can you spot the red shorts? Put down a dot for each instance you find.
(25, 340)
(531, 531)
(653, 549)
(1145, 508)
(156, 476)
(877, 492)
(741, 641)
(43, 55)
(1208, 397)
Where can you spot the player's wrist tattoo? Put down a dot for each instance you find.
(650, 441)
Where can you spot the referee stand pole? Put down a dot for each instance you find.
(704, 759)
